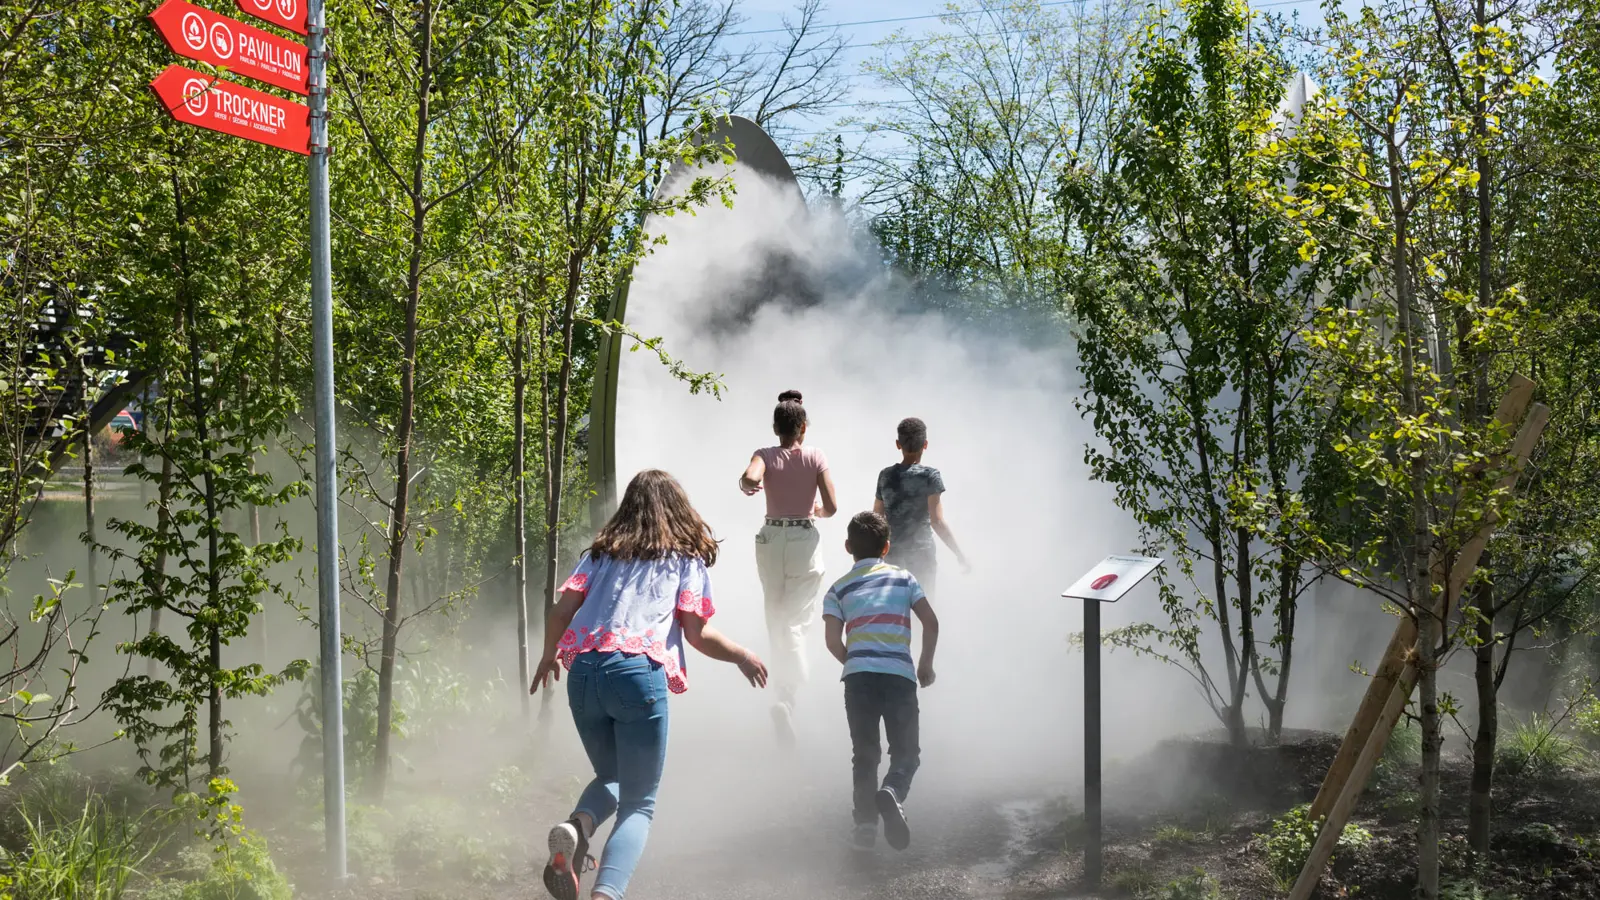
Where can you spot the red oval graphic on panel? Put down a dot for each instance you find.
(1103, 582)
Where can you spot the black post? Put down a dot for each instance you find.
(1092, 863)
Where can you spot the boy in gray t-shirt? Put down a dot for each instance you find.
(908, 496)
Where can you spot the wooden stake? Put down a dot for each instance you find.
(1397, 676)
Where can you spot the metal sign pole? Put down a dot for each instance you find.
(1092, 851)
(327, 471)
(1107, 582)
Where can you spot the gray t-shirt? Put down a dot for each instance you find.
(904, 490)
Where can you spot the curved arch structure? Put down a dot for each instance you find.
(754, 151)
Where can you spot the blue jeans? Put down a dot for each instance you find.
(619, 704)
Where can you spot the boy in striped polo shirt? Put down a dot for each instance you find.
(868, 618)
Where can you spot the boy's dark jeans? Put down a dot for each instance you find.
(870, 698)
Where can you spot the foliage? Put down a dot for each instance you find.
(92, 855)
(31, 715)
(1191, 299)
(1005, 105)
(1289, 843)
(216, 590)
(1537, 747)
(243, 870)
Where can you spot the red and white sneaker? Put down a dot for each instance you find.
(569, 859)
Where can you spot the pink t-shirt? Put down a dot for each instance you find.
(791, 480)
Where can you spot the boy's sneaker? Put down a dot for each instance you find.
(865, 837)
(895, 829)
(569, 859)
(783, 722)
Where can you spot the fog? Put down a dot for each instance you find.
(1005, 714)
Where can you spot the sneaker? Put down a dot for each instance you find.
(895, 829)
(865, 837)
(783, 723)
(569, 856)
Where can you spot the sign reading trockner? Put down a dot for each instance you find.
(201, 34)
(198, 99)
(1112, 578)
(290, 14)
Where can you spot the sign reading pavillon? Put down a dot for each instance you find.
(200, 34)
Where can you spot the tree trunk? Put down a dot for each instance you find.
(556, 438)
(519, 472)
(163, 527)
(91, 540)
(202, 430)
(253, 515)
(398, 524)
(1480, 800)
(1419, 570)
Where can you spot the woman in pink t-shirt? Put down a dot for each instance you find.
(788, 549)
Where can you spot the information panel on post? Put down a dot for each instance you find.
(1112, 578)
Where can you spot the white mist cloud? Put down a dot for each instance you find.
(1002, 429)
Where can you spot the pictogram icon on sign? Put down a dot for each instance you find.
(196, 95)
(290, 14)
(221, 40)
(196, 99)
(194, 31)
(198, 33)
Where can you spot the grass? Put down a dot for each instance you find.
(1170, 835)
(92, 855)
(1134, 882)
(1537, 747)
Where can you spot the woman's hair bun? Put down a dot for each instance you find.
(787, 396)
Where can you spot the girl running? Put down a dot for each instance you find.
(788, 551)
(640, 591)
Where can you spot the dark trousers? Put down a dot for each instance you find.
(920, 562)
(871, 698)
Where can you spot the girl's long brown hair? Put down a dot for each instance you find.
(655, 519)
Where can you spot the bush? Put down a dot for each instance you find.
(90, 856)
(1534, 749)
(240, 869)
(1290, 841)
(1587, 720)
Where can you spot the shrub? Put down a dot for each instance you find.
(241, 869)
(89, 856)
(1289, 843)
(1587, 720)
(1534, 748)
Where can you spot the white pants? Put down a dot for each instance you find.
(789, 561)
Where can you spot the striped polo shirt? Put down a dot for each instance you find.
(874, 602)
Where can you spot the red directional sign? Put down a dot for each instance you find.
(202, 34)
(290, 14)
(197, 99)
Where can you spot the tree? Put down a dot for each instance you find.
(601, 62)
(1190, 305)
(1001, 113)
(208, 450)
(414, 79)
(1424, 454)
